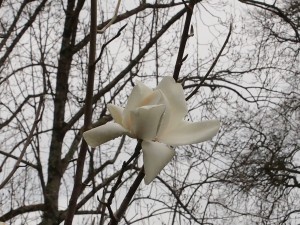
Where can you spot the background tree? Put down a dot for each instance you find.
(245, 74)
(263, 154)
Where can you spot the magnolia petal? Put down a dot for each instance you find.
(153, 99)
(156, 156)
(174, 94)
(190, 133)
(173, 97)
(102, 134)
(116, 113)
(146, 120)
(138, 93)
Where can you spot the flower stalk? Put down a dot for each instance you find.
(124, 205)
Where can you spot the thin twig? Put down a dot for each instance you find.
(184, 37)
(27, 143)
(212, 66)
(105, 44)
(112, 19)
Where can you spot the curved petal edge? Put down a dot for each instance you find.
(116, 113)
(190, 133)
(102, 134)
(156, 156)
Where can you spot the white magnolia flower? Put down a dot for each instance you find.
(156, 117)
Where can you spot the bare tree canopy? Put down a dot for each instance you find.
(63, 62)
